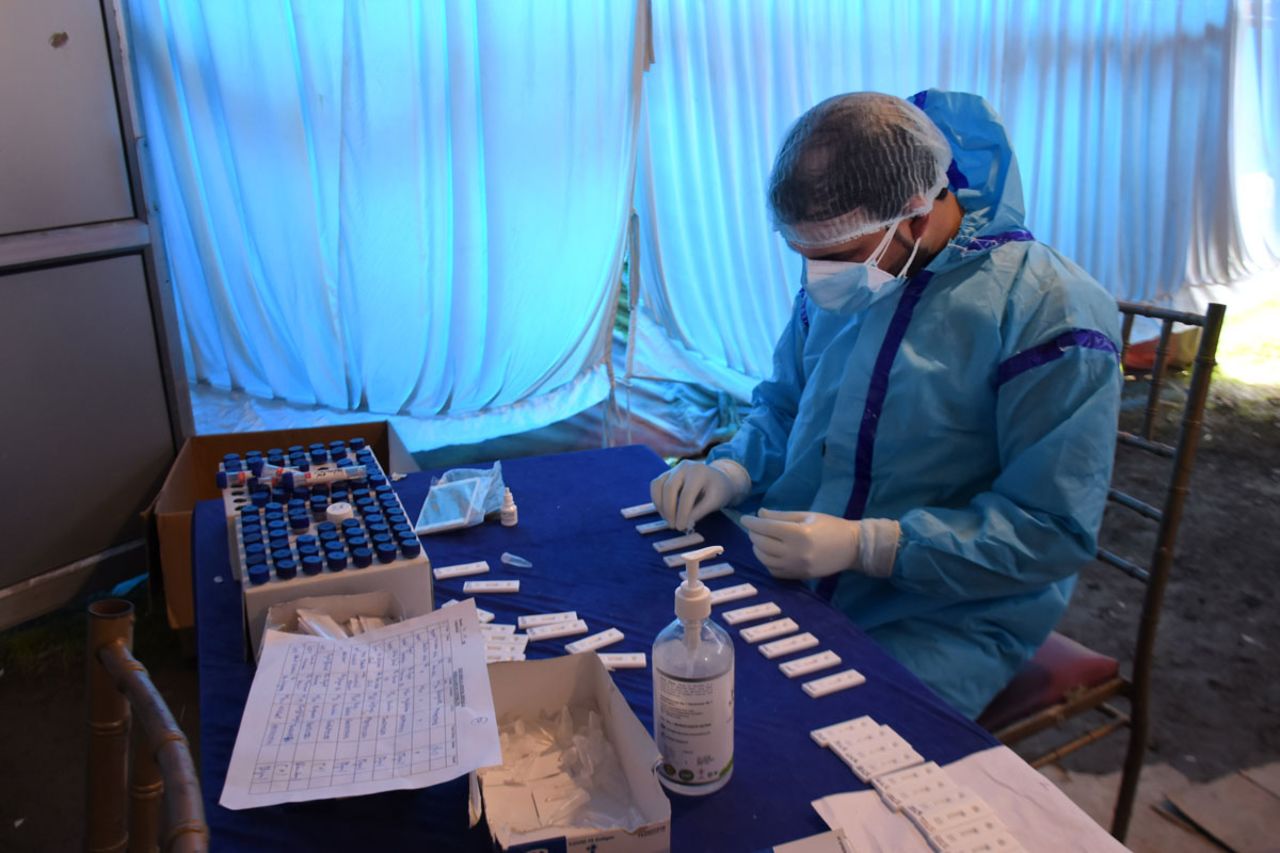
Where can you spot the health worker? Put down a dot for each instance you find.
(934, 447)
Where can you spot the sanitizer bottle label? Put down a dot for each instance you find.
(693, 727)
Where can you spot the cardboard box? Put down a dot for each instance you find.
(284, 616)
(191, 479)
(543, 687)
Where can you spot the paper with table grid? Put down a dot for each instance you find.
(404, 706)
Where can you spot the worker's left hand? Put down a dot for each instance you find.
(799, 545)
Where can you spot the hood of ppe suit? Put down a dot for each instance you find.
(984, 173)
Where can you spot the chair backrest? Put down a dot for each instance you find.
(1155, 574)
(120, 691)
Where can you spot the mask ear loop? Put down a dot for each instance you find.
(907, 265)
(874, 259)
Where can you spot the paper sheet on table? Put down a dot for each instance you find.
(1040, 816)
(404, 706)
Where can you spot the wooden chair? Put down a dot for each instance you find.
(1065, 678)
(120, 689)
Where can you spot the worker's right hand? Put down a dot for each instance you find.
(690, 491)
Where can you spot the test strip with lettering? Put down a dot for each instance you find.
(820, 687)
(732, 593)
(557, 629)
(536, 619)
(676, 543)
(788, 645)
(638, 510)
(501, 656)
(461, 570)
(863, 724)
(951, 796)
(711, 572)
(810, 664)
(595, 641)
(752, 613)
(516, 642)
(769, 630)
(481, 614)
(944, 819)
(979, 837)
(473, 587)
(922, 781)
(623, 660)
(652, 526)
(492, 629)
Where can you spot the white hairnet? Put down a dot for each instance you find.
(854, 164)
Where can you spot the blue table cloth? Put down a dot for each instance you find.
(587, 558)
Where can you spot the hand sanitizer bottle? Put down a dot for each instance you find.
(693, 690)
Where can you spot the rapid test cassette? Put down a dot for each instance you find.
(319, 520)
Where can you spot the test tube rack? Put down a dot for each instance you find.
(284, 546)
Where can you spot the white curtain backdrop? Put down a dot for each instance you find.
(1118, 111)
(399, 208)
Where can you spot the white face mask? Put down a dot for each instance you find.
(846, 287)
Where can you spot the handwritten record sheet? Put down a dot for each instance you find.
(404, 706)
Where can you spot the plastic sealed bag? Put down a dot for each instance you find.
(461, 498)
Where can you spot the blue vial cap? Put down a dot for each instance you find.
(220, 479)
(295, 448)
(252, 538)
(274, 506)
(315, 445)
(349, 523)
(251, 560)
(337, 442)
(255, 466)
(305, 550)
(259, 574)
(356, 443)
(374, 518)
(232, 465)
(297, 503)
(275, 451)
(299, 522)
(286, 570)
(250, 524)
(231, 457)
(377, 529)
(362, 557)
(386, 552)
(249, 510)
(337, 560)
(281, 554)
(319, 457)
(275, 522)
(402, 529)
(326, 527)
(366, 505)
(307, 540)
(357, 542)
(330, 536)
(287, 480)
(261, 497)
(312, 564)
(250, 550)
(253, 454)
(410, 546)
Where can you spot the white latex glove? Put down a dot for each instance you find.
(800, 545)
(692, 490)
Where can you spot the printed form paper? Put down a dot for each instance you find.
(406, 706)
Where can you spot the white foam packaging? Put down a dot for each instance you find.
(533, 689)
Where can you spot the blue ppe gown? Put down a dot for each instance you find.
(977, 406)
